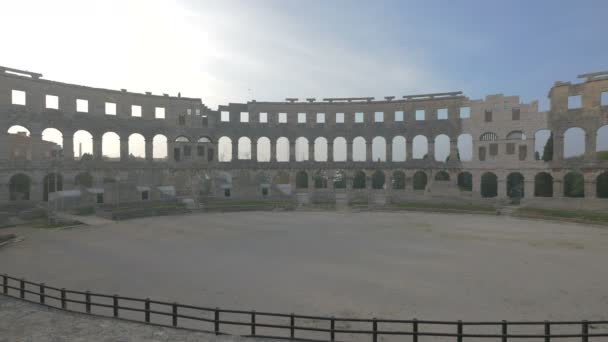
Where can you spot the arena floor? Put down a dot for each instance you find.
(369, 264)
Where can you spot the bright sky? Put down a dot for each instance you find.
(233, 51)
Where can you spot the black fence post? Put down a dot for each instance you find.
(217, 321)
(547, 331)
(115, 305)
(5, 284)
(42, 293)
(332, 328)
(174, 314)
(147, 303)
(22, 288)
(585, 331)
(504, 331)
(253, 323)
(415, 330)
(375, 328)
(459, 331)
(64, 305)
(292, 329)
(88, 301)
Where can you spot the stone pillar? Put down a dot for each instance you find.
(368, 151)
(389, 151)
(388, 180)
(235, 150)
(273, 151)
(558, 187)
(349, 151)
(454, 150)
(368, 181)
(149, 149)
(254, 150)
(529, 188)
(311, 151)
(97, 143)
(292, 151)
(476, 181)
(311, 181)
(431, 151)
(590, 146)
(558, 147)
(501, 191)
(409, 150)
(330, 151)
(124, 148)
(590, 189)
(68, 147)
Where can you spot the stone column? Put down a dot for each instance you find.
(389, 151)
(68, 147)
(431, 151)
(454, 150)
(149, 149)
(590, 189)
(368, 151)
(97, 143)
(529, 188)
(501, 191)
(476, 182)
(558, 147)
(590, 146)
(311, 181)
(558, 188)
(311, 151)
(349, 150)
(235, 151)
(124, 148)
(254, 150)
(330, 151)
(409, 150)
(292, 151)
(273, 151)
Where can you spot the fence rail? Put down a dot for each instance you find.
(85, 302)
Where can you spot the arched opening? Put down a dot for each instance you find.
(574, 142)
(320, 149)
(282, 149)
(339, 180)
(110, 146)
(378, 180)
(574, 185)
(516, 135)
(420, 148)
(601, 143)
(543, 145)
(204, 140)
(465, 147)
(465, 181)
(137, 146)
(543, 185)
(224, 149)
(159, 147)
(84, 179)
(19, 187)
(321, 179)
(442, 176)
(53, 135)
(339, 149)
(442, 148)
(515, 185)
(182, 139)
(488, 136)
(263, 149)
(489, 185)
(244, 148)
(16, 129)
(359, 149)
(420, 180)
(398, 180)
(52, 182)
(379, 149)
(399, 152)
(359, 181)
(301, 180)
(601, 185)
(301, 149)
(83, 145)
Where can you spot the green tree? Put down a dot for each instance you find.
(548, 150)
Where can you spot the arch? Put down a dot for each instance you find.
(301, 180)
(574, 142)
(465, 147)
(378, 180)
(420, 147)
(379, 149)
(359, 149)
(137, 146)
(398, 180)
(282, 153)
(19, 187)
(515, 185)
(340, 153)
(53, 135)
(574, 185)
(601, 185)
(244, 148)
(83, 144)
(17, 129)
(442, 148)
(84, 179)
(110, 145)
(489, 185)
(488, 136)
(204, 139)
(182, 139)
(399, 148)
(442, 176)
(601, 143)
(320, 149)
(282, 177)
(339, 179)
(359, 180)
(420, 180)
(465, 181)
(516, 135)
(224, 149)
(321, 179)
(543, 185)
(52, 182)
(159, 147)
(263, 149)
(543, 145)
(301, 149)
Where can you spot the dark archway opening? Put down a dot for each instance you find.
(359, 180)
(398, 180)
(301, 180)
(601, 186)
(465, 181)
(543, 185)
(378, 180)
(515, 185)
(19, 187)
(420, 180)
(489, 185)
(574, 185)
(84, 179)
(52, 182)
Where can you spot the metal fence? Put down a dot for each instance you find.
(291, 326)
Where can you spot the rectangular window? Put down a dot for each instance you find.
(18, 97)
(82, 106)
(282, 117)
(187, 151)
(523, 152)
(515, 114)
(189, 111)
(379, 116)
(225, 116)
(52, 102)
(159, 112)
(482, 153)
(182, 120)
(210, 154)
(145, 195)
(110, 108)
(488, 116)
(575, 102)
(420, 115)
(301, 117)
(442, 114)
(136, 111)
(399, 116)
(604, 98)
(359, 117)
(510, 148)
(226, 192)
(99, 198)
(205, 121)
(244, 116)
(200, 150)
(263, 117)
(339, 117)
(198, 111)
(493, 149)
(320, 117)
(264, 192)
(465, 112)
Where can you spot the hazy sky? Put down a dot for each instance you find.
(233, 51)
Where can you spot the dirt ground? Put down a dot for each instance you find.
(369, 264)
